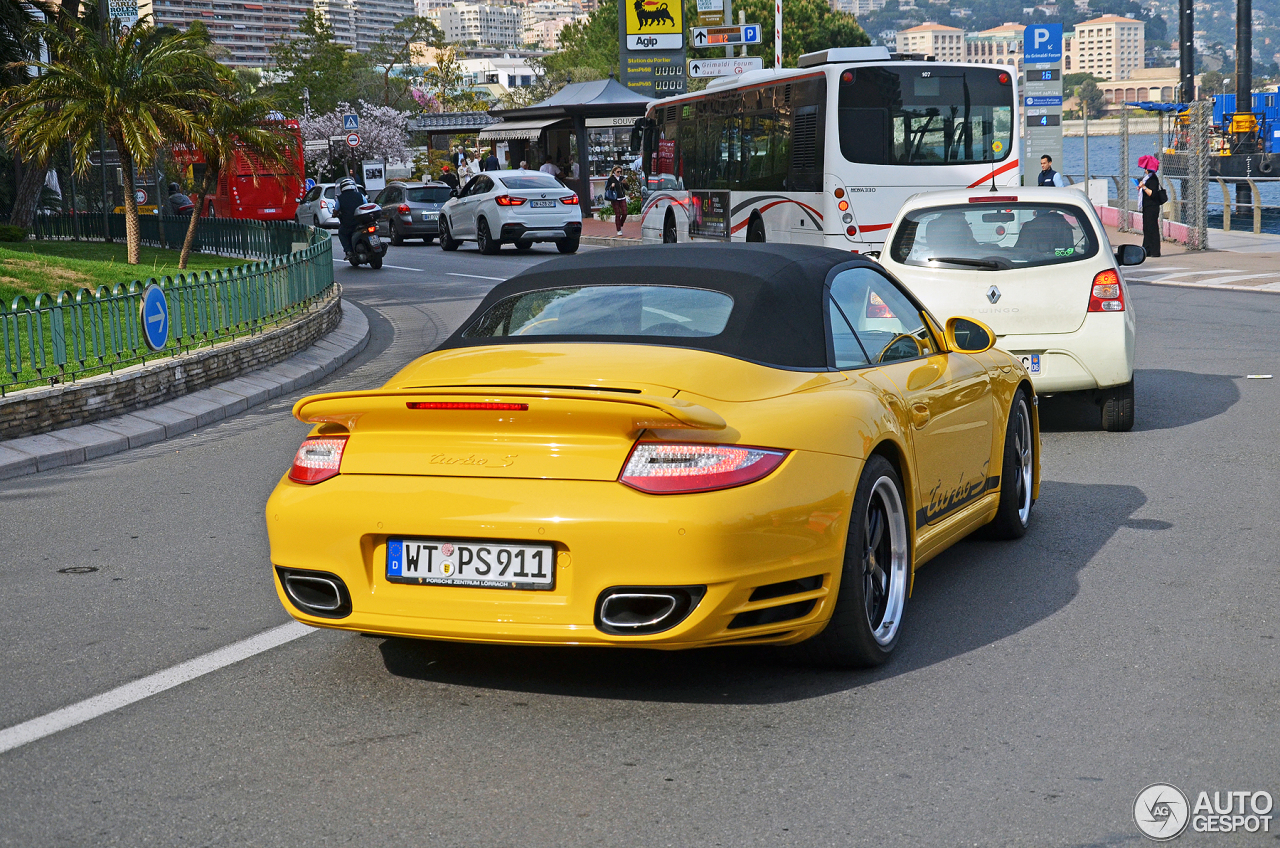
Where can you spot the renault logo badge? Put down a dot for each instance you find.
(993, 294)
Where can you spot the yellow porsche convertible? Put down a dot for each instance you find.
(664, 447)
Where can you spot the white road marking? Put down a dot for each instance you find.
(402, 268)
(476, 276)
(1164, 277)
(154, 684)
(1222, 281)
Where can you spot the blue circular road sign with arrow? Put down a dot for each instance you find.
(154, 313)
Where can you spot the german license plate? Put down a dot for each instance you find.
(430, 216)
(489, 565)
(1031, 361)
(542, 204)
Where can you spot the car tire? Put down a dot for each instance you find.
(1017, 474)
(866, 618)
(568, 245)
(484, 239)
(447, 241)
(1117, 408)
(669, 230)
(396, 238)
(523, 245)
(755, 231)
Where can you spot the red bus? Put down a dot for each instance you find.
(248, 188)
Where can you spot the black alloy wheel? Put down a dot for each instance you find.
(447, 241)
(484, 239)
(396, 237)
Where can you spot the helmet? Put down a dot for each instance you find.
(174, 187)
(346, 184)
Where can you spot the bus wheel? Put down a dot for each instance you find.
(669, 230)
(755, 230)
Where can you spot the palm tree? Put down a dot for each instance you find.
(19, 45)
(145, 87)
(241, 121)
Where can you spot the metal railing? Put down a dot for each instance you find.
(58, 338)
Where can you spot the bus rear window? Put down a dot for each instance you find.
(925, 116)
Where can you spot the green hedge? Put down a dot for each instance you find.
(8, 233)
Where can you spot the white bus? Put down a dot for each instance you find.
(825, 153)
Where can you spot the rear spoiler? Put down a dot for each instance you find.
(645, 411)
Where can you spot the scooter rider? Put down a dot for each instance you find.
(349, 197)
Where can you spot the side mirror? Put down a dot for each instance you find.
(965, 335)
(635, 139)
(1130, 254)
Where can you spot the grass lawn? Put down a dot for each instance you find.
(32, 267)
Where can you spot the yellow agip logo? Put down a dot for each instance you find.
(654, 17)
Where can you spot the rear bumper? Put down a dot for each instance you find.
(1098, 355)
(789, 526)
(517, 231)
(417, 226)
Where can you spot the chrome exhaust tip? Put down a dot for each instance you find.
(636, 610)
(316, 593)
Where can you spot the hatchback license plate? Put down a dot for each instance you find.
(489, 565)
(1031, 361)
(542, 204)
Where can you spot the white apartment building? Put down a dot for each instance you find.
(944, 43)
(495, 26)
(1000, 45)
(545, 34)
(549, 10)
(359, 23)
(430, 8)
(246, 30)
(1109, 47)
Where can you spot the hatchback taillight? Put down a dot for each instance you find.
(663, 468)
(1106, 294)
(403, 209)
(571, 200)
(319, 458)
(508, 200)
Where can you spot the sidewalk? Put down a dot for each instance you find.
(602, 233)
(73, 445)
(1236, 261)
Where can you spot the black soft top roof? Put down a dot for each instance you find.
(778, 291)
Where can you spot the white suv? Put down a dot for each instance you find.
(518, 207)
(1034, 264)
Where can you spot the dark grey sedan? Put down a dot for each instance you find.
(411, 210)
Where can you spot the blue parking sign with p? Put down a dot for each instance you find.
(1042, 43)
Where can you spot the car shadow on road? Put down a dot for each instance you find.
(973, 595)
(1163, 400)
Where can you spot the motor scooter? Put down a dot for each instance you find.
(366, 247)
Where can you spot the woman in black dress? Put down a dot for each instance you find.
(1150, 205)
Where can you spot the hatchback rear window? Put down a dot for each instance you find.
(994, 237)
(531, 181)
(650, 311)
(427, 194)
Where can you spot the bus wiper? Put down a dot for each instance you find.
(989, 264)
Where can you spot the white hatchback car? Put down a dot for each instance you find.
(518, 207)
(1034, 264)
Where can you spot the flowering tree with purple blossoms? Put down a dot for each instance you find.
(382, 135)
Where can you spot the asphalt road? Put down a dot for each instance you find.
(1130, 638)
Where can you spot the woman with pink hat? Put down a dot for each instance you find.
(1153, 197)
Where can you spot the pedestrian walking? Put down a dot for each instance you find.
(1153, 197)
(1048, 176)
(615, 191)
(448, 177)
(491, 162)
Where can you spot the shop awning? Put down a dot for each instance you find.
(504, 130)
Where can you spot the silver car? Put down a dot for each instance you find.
(411, 210)
(319, 207)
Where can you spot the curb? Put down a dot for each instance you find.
(609, 241)
(73, 445)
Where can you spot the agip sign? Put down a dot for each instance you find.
(651, 37)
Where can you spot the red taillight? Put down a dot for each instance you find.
(839, 193)
(571, 200)
(371, 229)
(662, 468)
(508, 200)
(994, 198)
(1106, 294)
(324, 204)
(877, 308)
(437, 404)
(319, 458)
(843, 206)
(403, 209)
(1003, 79)
(851, 230)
